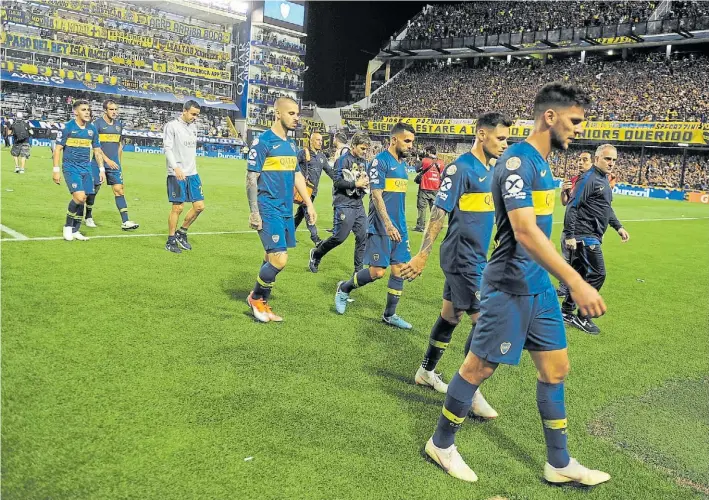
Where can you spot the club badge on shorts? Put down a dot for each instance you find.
(505, 347)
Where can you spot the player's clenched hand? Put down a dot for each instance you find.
(255, 221)
(179, 174)
(588, 300)
(570, 243)
(624, 235)
(393, 233)
(312, 215)
(111, 164)
(101, 177)
(56, 177)
(362, 182)
(414, 267)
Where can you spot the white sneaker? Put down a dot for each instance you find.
(129, 225)
(450, 461)
(430, 379)
(17, 170)
(68, 233)
(80, 237)
(22, 170)
(90, 222)
(481, 408)
(574, 472)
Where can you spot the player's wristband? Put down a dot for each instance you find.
(101, 169)
(56, 170)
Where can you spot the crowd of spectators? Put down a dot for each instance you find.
(280, 80)
(274, 40)
(295, 64)
(480, 18)
(269, 97)
(646, 87)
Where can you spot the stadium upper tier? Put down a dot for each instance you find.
(648, 88)
(481, 18)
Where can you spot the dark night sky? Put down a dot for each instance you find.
(337, 34)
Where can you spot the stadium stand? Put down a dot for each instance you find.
(620, 90)
(478, 18)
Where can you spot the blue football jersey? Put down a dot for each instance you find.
(465, 193)
(390, 175)
(78, 143)
(277, 161)
(110, 136)
(522, 178)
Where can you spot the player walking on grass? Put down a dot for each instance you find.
(183, 182)
(466, 199)
(272, 173)
(387, 235)
(587, 219)
(110, 131)
(518, 306)
(72, 157)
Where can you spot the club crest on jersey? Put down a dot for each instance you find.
(513, 163)
(451, 170)
(254, 143)
(375, 162)
(91, 133)
(275, 238)
(505, 347)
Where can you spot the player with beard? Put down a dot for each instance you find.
(272, 173)
(387, 235)
(518, 306)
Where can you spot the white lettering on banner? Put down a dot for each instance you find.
(228, 156)
(641, 193)
(154, 151)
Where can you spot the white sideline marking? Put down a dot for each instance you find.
(16, 236)
(22, 237)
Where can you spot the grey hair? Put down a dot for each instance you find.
(600, 149)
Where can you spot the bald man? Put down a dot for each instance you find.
(312, 162)
(272, 173)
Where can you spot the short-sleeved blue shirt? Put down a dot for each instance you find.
(389, 175)
(78, 143)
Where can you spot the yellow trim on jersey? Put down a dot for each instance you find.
(476, 202)
(396, 185)
(451, 417)
(394, 292)
(109, 137)
(556, 424)
(75, 142)
(543, 202)
(280, 163)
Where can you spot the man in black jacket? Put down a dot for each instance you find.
(587, 218)
(350, 187)
(312, 162)
(20, 151)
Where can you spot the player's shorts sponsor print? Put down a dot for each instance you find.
(277, 233)
(381, 251)
(463, 291)
(510, 323)
(187, 190)
(78, 180)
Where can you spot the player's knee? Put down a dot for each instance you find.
(198, 206)
(177, 208)
(556, 373)
(452, 317)
(79, 198)
(278, 259)
(377, 272)
(118, 190)
(476, 369)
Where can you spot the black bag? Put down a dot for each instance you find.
(20, 130)
(418, 178)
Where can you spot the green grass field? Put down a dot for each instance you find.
(131, 372)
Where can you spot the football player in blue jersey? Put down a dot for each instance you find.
(110, 131)
(518, 305)
(387, 235)
(465, 197)
(272, 173)
(72, 157)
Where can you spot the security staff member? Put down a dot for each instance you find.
(312, 162)
(587, 218)
(429, 180)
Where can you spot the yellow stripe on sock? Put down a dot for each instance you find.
(394, 292)
(123, 210)
(439, 344)
(354, 280)
(263, 283)
(555, 424)
(453, 418)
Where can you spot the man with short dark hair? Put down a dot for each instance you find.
(429, 180)
(587, 219)
(183, 181)
(312, 162)
(350, 185)
(110, 131)
(518, 307)
(20, 151)
(387, 235)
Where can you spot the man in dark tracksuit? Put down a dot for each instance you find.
(350, 187)
(587, 218)
(312, 163)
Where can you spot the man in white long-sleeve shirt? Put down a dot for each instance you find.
(183, 182)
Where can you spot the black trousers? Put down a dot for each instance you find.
(300, 215)
(588, 261)
(347, 220)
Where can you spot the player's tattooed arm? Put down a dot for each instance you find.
(380, 206)
(252, 195)
(414, 267)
